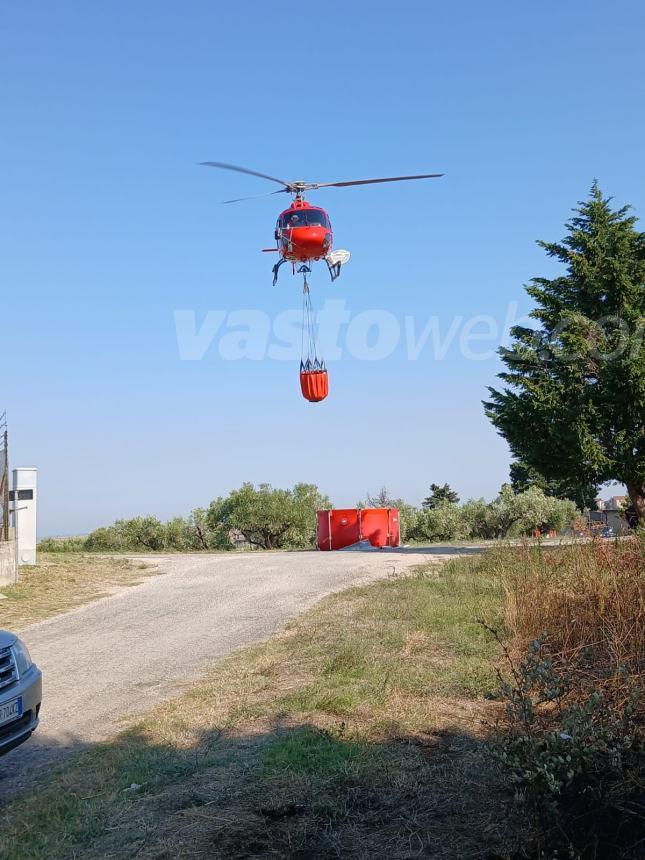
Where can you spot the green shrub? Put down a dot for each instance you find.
(136, 534)
(410, 520)
(443, 522)
(72, 544)
(573, 756)
(104, 539)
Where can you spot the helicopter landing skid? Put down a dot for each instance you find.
(276, 269)
(334, 270)
(334, 260)
(303, 269)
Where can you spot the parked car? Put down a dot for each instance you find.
(20, 692)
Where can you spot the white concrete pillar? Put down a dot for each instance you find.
(24, 497)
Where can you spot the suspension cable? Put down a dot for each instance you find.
(309, 358)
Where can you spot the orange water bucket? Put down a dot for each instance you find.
(314, 385)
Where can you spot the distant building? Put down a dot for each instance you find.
(238, 540)
(611, 514)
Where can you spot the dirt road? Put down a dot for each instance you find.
(108, 661)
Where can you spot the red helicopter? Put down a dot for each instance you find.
(303, 235)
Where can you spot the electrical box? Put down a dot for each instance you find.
(24, 498)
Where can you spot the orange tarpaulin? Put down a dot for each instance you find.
(314, 385)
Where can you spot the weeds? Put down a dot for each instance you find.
(573, 739)
(590, 597)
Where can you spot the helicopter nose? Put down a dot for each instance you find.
(310, 241)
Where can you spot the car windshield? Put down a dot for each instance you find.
(304, 218)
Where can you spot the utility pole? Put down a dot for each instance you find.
(4, 479)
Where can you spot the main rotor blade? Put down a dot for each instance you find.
(243, 170)
(256, 196)
(371, 181)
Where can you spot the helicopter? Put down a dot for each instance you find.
(303, 233)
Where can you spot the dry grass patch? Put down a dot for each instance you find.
(589, 597)
(573, 740)
(60, 582)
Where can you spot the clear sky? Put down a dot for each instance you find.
(108, 228)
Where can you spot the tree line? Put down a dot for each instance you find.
(265, 517)
(510, 514)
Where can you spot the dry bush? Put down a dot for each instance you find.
(573, 739)
(590, 598)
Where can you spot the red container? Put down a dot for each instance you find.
(337, 529)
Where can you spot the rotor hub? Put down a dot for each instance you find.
(298, 188)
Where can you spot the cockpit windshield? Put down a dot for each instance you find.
(304, 218)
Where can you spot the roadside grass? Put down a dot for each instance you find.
(60, 582)
(358, 732)
(589, 597)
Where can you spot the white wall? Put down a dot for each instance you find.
(8, 568)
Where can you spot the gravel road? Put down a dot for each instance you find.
(108, 661)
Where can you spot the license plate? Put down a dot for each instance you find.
(11, 711)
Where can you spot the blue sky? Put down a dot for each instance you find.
(108, 227)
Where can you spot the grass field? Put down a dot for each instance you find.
(356, 733)
(365, 729)
(61, 582)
